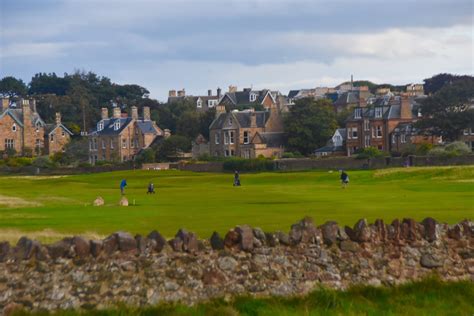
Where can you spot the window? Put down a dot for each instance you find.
(466, 131)
(226, 138)
(378, 112)
(358, 113)
(117, 125)
(367, 140)
(14, 127)
(199, 103)
(136, 143)
(124, 143)
(217, 138)
(103, 144)
(366, 125)
(253, 97)
(394, 139)
(232, 153)
(62, 133)
(51, 138)
(354, 133)
(38, 143)
(403, 138)
(111, 144)
(246, 138)
(230, 121)
(231, 137)
(132, 143)
(9, 143)
(379, 131)
(38, 127)
(100, 126)
(211, 103)
(226, 153)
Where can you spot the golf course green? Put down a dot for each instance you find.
(49, 207)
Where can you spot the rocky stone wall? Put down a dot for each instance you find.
(145, 270)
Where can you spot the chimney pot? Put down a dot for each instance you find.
(58, 118)
(146, 113)
(5, 103)
(181, 93)
(219, 91)
(117, 112)
(232, 89)
(134, 113)
(209, 93)
(104, 113)
(172, 93)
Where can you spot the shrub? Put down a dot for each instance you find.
(295, 154)
(18, 161)
(423, 149)
(369, 152)
(451, 150)
(146, 156)
(242, 164)
(43, 162)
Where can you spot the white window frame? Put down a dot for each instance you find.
(358, 113)
(378, 112)
(117, 125)
(367, 140)
(354, 129)
(111, 144)
(217, 138)
(212, 103)
(394, 139)
(9, 143)
(246, 137)
(403, 138)
(103, 144)
(366, 125)
(379, 129)
(199, 103)
(124, 143)
(252, 97)
(14, 127)
(100, 126)
(231, 137)
(226, 138)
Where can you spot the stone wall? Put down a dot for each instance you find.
(146, 270)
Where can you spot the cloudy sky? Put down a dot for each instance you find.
(200, 45)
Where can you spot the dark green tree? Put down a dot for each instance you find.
(310, 124)
(449, 111)
(172, 147)
(12, 87)
(435, 83)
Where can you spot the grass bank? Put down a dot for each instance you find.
(427, 297)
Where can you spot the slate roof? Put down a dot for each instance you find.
(243, 119)
(51, 127)
(293, 93)
(17, 115)
(147, 127)
(273, 139)
(243, 97)
(343, 133)
(349, 97)
(391, 108)
(330, 149)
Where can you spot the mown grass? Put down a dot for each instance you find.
(204, 202)
(427, 297)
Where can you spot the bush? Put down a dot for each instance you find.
(451, 150)
(146, 156)
(369, 152)
(242, 164)
(19, 161)
(423, 149)
(43, 162)
(295, 154)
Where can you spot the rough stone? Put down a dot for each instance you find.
(4, 250)
(81, 246)
(330, 231)
(125, 241)
(259, 234)
(110, 244)
(231, 239)
(26, 248)
(99, 201)
(160, 241)
(245, 237)
(408, 229)
(347, 245)
(271, 239)
(96, 247)
(361, 231)
(189, 241)
(217, 243)
(61, 249)
(283, 238)
(430, 229)
(227, 263)
(430, 261)
(141, 243)
(304, 231)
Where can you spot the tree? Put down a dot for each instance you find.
(172, 146)
(435, 83)
(11, 87)
(449, 111)
(309, 124)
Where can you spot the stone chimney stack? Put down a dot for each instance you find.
(219, 91)
(253, 119)
(25, 107)
(104, 113)
(134, 113)
(5, 104)
(172, 93)
(181, 93)
(33, 105)
(232, 89)
(220, 108)
(58, 118)
(405, 108)
(209, 93)
(117, 113)
(146, 113)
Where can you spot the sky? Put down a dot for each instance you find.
(201, 45)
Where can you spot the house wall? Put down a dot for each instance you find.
(60, 140)
(6, 132)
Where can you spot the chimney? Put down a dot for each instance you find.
(146, 113)
(232, 89)
(219, 91)
(33, 105)
(209, 93)
(167, 133)
(134, 113)
(25, 107)
(220, 108)
(253, 119)
(58, 118)
(405, 108)
(181, 93)
(352, 82)
(117, 112)
(5, 104)
(172, 93)
(104, 113)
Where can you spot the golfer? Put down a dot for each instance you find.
(344, 179)
(151, 188)
(236, 179)
(123, 184)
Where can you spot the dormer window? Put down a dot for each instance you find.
(419, 113)
(117, 125)
(199, 103)
(37, 127)
(14, 127)
(358, 113)
(230, 121)
(378, 112)
(211, 103)
(100, 126)
(253, 97)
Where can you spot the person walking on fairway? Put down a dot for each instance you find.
(344, 179)
(123, 184)
(236, 179)
(151, 188)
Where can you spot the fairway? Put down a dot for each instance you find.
(51, 207)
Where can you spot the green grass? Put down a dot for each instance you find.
(203, 202)
(427, 297)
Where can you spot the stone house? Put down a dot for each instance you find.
(373, 126)
(200, 147)
(468, 137)
(406, 136)
(250, 99)
(56, 136)
(24, 131)
(248, 133)
(122, 137)
(203, 103)
(415, 89)
(357, 97)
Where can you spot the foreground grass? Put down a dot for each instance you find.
(52, 207)
(428, 297)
